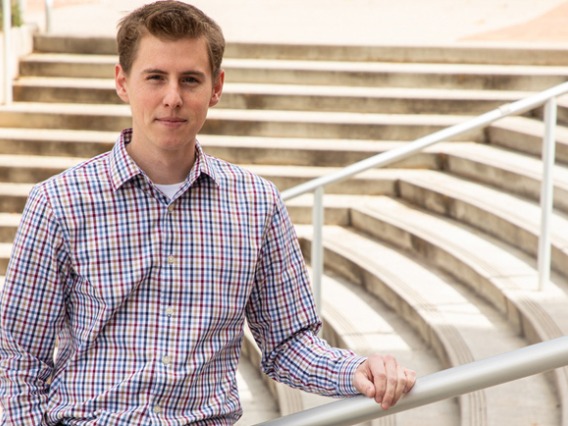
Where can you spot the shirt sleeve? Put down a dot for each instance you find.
(283, 319)
(31, 313)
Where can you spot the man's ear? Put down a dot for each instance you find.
(217, 89)
(120, 83)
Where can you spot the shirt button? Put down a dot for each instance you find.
(171, 208)
(166, 360)
(171, 260)
(157, 409)
(170, 311)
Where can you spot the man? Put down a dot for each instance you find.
(143, 263)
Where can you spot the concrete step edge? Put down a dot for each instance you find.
(505, 273)
(514, 172)
(468, 52)
(507, 217)
(417, 290)
(298, 89)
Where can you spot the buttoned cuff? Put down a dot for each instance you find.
(346, 373)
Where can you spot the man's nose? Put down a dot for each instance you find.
(173, 98)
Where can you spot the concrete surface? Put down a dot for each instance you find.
(341, 21)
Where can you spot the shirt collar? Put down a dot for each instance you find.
(123, 168)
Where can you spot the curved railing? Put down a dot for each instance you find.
(478, 375)
(547, 98)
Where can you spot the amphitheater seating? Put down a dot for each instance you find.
(431, 259)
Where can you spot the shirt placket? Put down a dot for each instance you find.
(166, 347)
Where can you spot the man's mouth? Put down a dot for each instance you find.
(172, 120)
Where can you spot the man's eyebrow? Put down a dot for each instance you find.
(184, 73)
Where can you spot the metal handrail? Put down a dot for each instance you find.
(477, 375)
(444, 384)
(383, 159)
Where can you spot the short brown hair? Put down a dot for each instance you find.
(168, 20)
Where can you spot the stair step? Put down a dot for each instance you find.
(382, 74)
(371, 182)
(32, 169)
(241, 122)
(356, 320)
(450, 53)
(507, 217)
(504, 169)
(13, 197)
(56, 142)
(258, 405)
(236, 149)
(330, 73)
(525, 135)
(500, 274)
(451, 319)
(67, 65)
(446, 53)
(66, 90)
(285, 97)
(83, 44)
(8, 224)
(5, 251)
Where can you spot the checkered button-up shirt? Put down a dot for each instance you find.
(147, 296)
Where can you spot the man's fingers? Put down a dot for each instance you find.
(382, 378)
(387, 382)
(410, 379)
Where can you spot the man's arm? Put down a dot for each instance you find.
(31, 314)
(283, 319)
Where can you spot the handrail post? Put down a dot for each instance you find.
(547, 192)
(317, 246)
(48, 15)
(7, 54)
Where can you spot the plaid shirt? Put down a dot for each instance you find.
(147, 298)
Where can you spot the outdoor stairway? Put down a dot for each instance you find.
(431, 259)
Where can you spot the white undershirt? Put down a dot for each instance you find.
(170, 190)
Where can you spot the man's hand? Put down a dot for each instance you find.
(382, 378)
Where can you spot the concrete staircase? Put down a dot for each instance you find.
(431, 259)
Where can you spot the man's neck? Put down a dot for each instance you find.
(162, 167)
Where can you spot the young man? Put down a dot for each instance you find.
(143, 263)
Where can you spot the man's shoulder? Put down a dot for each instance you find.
(234, 176)
(76, 179)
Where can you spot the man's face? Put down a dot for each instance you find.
(170, 89)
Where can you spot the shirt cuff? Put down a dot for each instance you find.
(346, 373)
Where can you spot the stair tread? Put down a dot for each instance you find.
(513, 209)
(17, 189)
(258, 405)
(506, 268)
(471, 329)
(505, 159)
(10, 219)
(532, 127)
(252, 114)
(62, 135)
(458, 239)
(450, 68)
(367, 326)
(297, 89)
